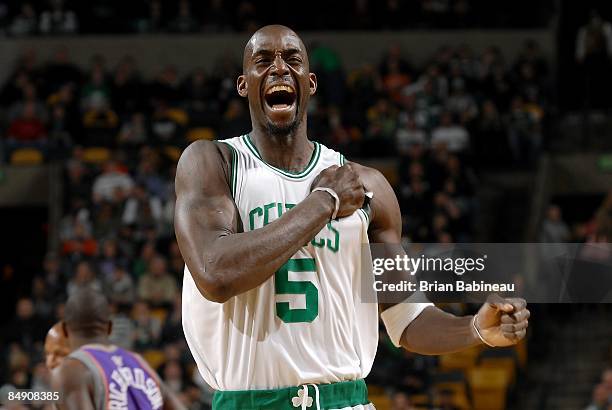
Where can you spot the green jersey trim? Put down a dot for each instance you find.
(314, 159)
(364, 212)
(234, 170)
(331, 396)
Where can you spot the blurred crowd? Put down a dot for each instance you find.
(116, 234)
(597, 229)
(602, 392)
(458, 110)
(61, 17)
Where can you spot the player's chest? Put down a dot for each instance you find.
(266, 198)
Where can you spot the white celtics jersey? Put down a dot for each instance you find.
(306, 323)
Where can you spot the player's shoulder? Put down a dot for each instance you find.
(71, 373)
(201, 161)
(202, 150)
(372, 178)
(383, 205)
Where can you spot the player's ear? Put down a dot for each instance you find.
(64, 329)
(241, 86)
(110, 327)
(313, 83)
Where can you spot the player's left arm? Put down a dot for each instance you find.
(73, 381)
(501, 322)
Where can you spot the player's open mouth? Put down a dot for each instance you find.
(280, 97)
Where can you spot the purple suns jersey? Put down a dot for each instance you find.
(121, 380)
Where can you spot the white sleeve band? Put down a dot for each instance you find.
(398, 317)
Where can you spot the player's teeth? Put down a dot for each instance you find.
(279, 88)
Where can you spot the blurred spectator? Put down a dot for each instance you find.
(77, 239)
(96, 92)
(120, 287)
(133, 132)
(382, 119)
(109, 258)
(409, 134)
(99, 122)
(490, 135)
(460, 103)
(246, 16)
(26, 328)
(168, 124)
(79, 178)
(60, 71)
(600, 399)
(445, 400)
(524, 130)
(184, 22)
(42, 299)
(532, 54)
(554, 229)
(156, 286)
(25, 23)
(27, 130)
(113, 179)
(127, 87)
(153, 20)
(58, 20)
(41, 378)
(147, 328)
(236, 120)
(54, 279)
(177, 265)
(450, 134)
(217, 17)
(172, 330)
(65, 119)
(173, 376)
(594, 53)
(199, 92)
(165, 89)
(84, 276)
(142, 210)
(328, 66)
(142, 262)
(401, 401)
(122, 333)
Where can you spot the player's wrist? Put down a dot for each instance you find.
(330, 198)
(477, 332)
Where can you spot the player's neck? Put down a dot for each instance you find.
(77, 342)
(289, 152)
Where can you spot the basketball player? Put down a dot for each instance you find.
(98, 375)
(56, 346)
(271, 227)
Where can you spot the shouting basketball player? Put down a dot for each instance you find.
(271, 226)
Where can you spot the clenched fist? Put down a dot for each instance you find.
(346, 183)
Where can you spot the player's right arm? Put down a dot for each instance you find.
(224, 261)
(73, 381)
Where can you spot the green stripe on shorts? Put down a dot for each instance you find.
(331, 396)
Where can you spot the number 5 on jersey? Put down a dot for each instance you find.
(284, 286)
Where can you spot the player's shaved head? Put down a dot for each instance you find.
(275, 56)
(56, 346)
(273, 30)
(87, 313)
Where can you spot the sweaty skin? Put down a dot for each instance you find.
(225, 261)
(56, 346)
